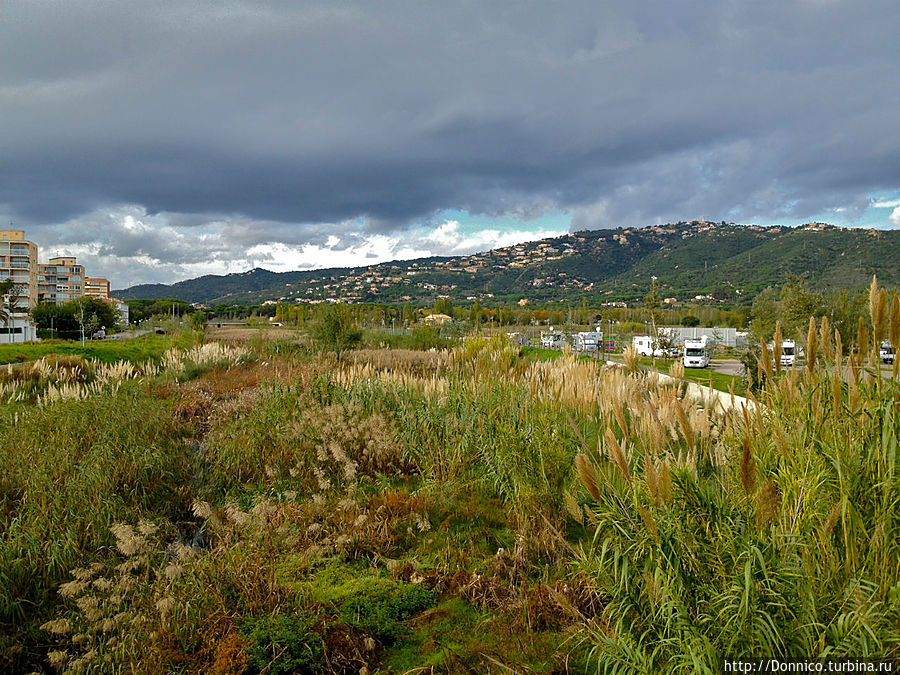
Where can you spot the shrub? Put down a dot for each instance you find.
(284, 643)
(335, 331)
(381, 606)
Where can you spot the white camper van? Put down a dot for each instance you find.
(788, 353)
(886, 352)
(553, 340)
(696, 352)
(588, 341)
(647, 346)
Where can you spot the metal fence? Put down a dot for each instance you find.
(730, 337)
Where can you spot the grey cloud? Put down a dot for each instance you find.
(292, 123)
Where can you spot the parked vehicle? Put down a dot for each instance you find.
(648, 346)
(588, 341)
(520, 339)
(696, 352)
(886, 352)
(553, 340)
(788, 353)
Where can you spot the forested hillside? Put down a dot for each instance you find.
(730, 262)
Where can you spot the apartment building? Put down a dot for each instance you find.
(60, 280)
(95, 287)
(18, 261)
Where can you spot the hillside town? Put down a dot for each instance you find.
(58, 281)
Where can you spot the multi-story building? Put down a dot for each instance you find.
(123, 312)
(96, 287)
(18, 261)
(60, 280)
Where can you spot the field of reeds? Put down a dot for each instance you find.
(259, 509)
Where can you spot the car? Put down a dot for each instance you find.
(98, 335)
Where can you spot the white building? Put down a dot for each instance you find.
(18, 329)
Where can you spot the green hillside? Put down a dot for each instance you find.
(732, 262)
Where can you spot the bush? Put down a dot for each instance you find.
(284, 643)
(381, 606)
(335, 330)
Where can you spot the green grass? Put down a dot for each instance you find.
(137, 350)
(67, 472)
(720, 381)
(541, 354)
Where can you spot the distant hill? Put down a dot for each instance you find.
(731, 262)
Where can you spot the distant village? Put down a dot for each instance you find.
(372, 283)
(60, 280)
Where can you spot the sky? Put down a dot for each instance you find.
(159, 141)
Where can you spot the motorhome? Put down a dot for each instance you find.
(696, 352)
(788, 353)
(588, 341)
(520, 339)
(646, 346)
(886, 352)
(553, 339)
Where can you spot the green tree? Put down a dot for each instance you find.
(475, 313)
(443, 306)
(10, 295)
(69, 318)
(335, 331)
(199, 320)
(843, 311)
(763, 315)
(798, 303)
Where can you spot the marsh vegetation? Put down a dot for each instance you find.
(261, 508)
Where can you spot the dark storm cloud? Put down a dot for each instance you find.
(364, 117)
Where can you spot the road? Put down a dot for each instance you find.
(735, 367)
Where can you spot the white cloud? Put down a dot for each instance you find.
(129, 246)
(446, 239)
(886, 204)
(895, 216)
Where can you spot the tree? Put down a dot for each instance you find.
(443, 306)
(690, 321)
(651, 300)
(763, 315)
(335, 331)
(71, 318)
(10, 295)
(475, 313)
(798, 303)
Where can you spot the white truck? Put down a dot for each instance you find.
(886, 352)
(696, 351)
(588, 341)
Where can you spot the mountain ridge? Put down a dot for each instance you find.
(728, 261)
